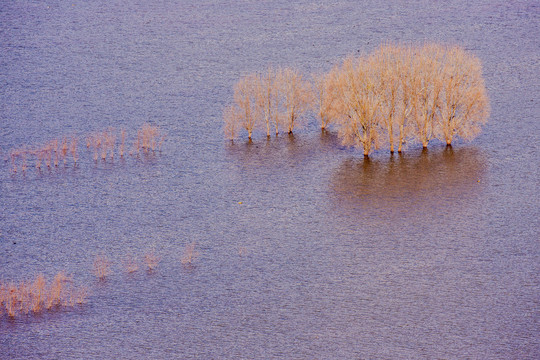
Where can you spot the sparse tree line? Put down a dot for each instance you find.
(396, 94)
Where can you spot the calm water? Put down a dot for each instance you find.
(427, 255)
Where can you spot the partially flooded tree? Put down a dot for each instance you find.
(359, 105)
(278, 115)
(404, 104)
(386, 63)
(245, 100)
(296, 93)
(324, 98)
(258, 100)
(267, 99)
(425, 89)
(231, 114)
(464, 104)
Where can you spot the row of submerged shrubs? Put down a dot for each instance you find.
(397, 94)
(103, 266)
(105, 144)
(35, 296)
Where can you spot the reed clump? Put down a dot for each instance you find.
(149, 138)
(190, 254)
(130, 264)
(103, 144)
(33, 297)
(151, 260)
(102, 267)
(396, 94)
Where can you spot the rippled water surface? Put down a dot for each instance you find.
(306, 250)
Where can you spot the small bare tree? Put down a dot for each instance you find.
(278, 114)
(324, 98)
(267, 98)
(404, 105)
(245, 99)
(297, 94)
(231, 116)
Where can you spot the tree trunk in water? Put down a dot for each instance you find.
(400, 146)
(391, 136)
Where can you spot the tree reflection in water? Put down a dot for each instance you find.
(419, 181)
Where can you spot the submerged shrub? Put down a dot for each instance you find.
(102, 267)
(151, 260)
(189, 254)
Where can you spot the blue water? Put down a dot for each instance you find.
(427, 255)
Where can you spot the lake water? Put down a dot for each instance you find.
(306, 250)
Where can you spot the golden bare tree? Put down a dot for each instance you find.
(425, 89)
(386, 62)
(245, 99)
(277, 111)
(404, 106)
(358, 106)
(267, 98)
(464, 104)
(296, 94)
(324, 98)
(231, 116)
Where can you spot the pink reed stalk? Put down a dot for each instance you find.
(73, 149)
(122, 141)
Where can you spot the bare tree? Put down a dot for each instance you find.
(245, 99)
(359, 105)
(277, 112)
(296, 93)
(386, 62)
(464, 104)
(425, 89)
(231, 114)
(404, 106)
(267, 97)
(324, 98)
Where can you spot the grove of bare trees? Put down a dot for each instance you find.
(277, 98)
(394, 95)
